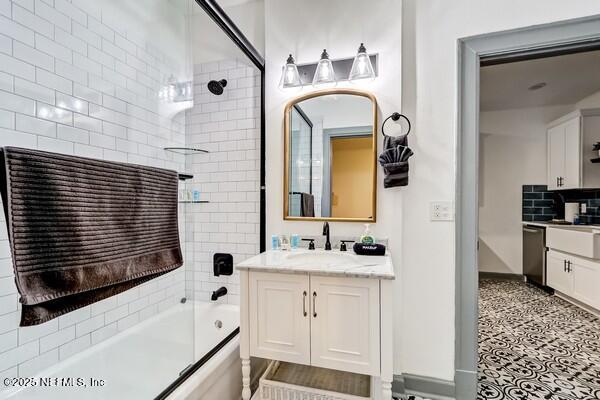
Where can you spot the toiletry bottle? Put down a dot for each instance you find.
(367, 237)
(275, 242)
(294, 241)
(285, 242)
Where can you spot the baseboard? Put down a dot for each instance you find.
(577, 303)
(423, 386)
(465, 384)
(499, 275)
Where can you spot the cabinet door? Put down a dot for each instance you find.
(345, 324)
(572, 172)
(586, 281)
(557, 277)
(279, 317)
(556, 155)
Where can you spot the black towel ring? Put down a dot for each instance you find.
(395, 117)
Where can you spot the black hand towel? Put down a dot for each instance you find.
(82, 230)
(394, 160)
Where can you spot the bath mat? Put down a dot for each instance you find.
(82, 230)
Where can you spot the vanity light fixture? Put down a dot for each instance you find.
(361, 67)
(324, 75)
(290, 78)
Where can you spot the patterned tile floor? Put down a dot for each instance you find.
(535, 346)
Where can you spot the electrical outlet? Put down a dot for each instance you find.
(441, 210)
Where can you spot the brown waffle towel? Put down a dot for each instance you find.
(82, 230)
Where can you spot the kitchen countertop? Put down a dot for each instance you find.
(328, 263)
(549, 224)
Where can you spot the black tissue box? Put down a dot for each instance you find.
(369, 249)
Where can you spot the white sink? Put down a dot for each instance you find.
(321, 259)
(583, 242)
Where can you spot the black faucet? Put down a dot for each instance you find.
(326, 233)
(222, 291)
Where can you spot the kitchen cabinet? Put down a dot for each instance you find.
(558, 278)
(575, 277)
(570, 141)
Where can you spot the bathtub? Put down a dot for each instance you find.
(146, 361)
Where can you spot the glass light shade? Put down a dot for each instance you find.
(324, 75)
(361, 67)
(290, 78)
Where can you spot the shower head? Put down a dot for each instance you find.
(216, 87)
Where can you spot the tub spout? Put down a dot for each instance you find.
(222, 291)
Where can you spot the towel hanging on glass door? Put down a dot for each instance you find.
(395, 155)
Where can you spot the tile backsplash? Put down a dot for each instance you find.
(540, 204)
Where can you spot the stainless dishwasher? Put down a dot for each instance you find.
(534, 254)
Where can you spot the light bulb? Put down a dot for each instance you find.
(361, 67)
(290, 78)
(324, 75)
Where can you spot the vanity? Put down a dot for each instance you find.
(328, 309)
(325, 314)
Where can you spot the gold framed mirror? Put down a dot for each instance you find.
(330, 147)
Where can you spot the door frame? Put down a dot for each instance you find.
(515, 45)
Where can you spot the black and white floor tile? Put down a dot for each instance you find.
(535, 346)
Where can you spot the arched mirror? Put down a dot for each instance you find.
(330, 156)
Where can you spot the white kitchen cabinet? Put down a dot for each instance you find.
(575, 277)
(570, 142)
(345, 324)
(586, 281)
(279, 319)
(557, 276)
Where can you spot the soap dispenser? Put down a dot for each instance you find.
(367, 237)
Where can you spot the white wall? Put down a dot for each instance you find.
(513, 153)
(97, 73)
(424, 297)
(430, 33)
(304, 29)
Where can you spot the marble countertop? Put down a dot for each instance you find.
(321, 262)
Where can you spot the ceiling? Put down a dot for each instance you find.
(568, 78)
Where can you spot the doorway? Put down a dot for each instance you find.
(537, 42)
(351, 164)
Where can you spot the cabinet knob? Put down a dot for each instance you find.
(314, 304)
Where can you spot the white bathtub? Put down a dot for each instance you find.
(141, 362)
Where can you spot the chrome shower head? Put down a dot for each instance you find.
(216, 87)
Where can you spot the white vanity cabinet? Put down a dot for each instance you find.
(570, 141)
(323, 321)
(336, 316)
(279, 320)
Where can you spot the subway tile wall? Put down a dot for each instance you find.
(73, 81)
(538, 203)
(228, 177)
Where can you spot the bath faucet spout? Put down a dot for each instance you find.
(222, 291)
